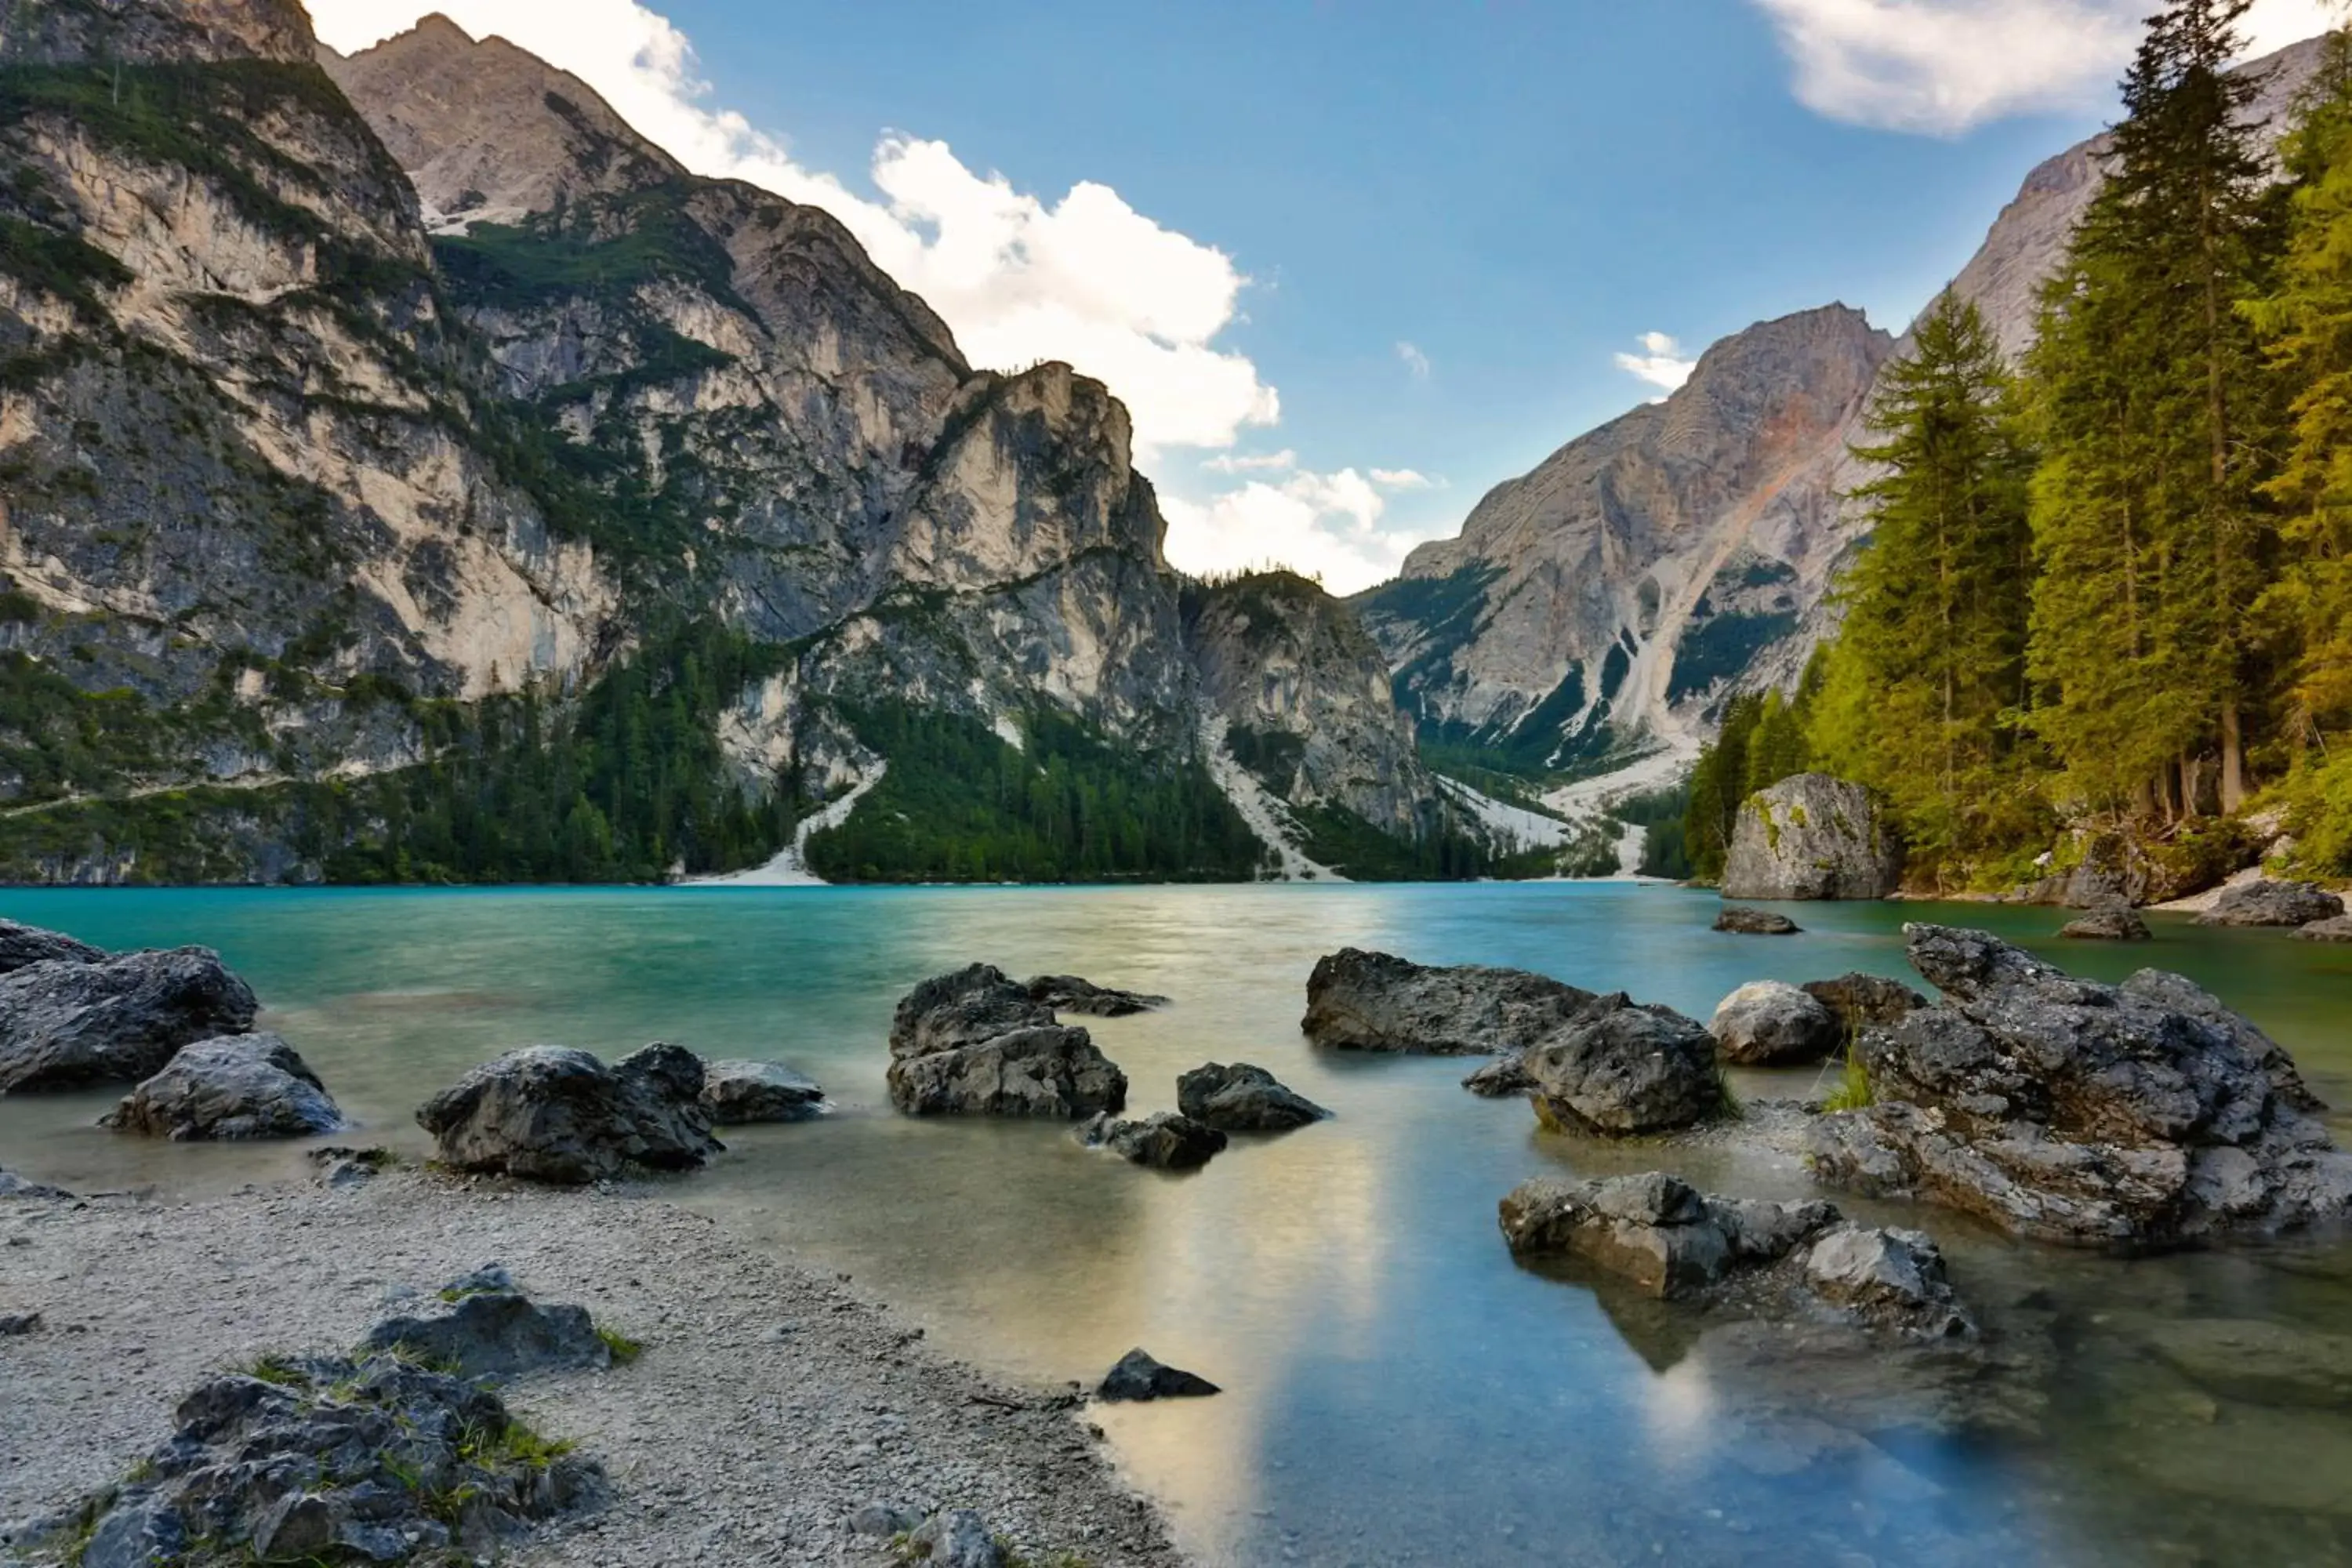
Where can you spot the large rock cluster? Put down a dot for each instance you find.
(550, 1113)
(1812, 837)
(2140, 1114)
(1778, 1258)
(1592, 1063)
(234, 1087)
(977, 1043)
(76, 1017)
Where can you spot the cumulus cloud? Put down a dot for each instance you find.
(1661, 363)
(1416, 362)
(1941, 67)
(1085, 278)
(1327, 525)
(1256, 463)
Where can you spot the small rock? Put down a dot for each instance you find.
(1768, 1022)
(883, 1520)
(13, 1324)
(740, 1093)
(14, 1187)
(1624, 1070)
(1500, 1078)
(2115, 922)
(1168, 1141)
(1068, 994)
(341, 1167)
(1243, 1099)
(482, 1326)
(233, 1088)
(957, 1538)
(973, 1043)
(2339, 928)
(1742, 920)
(1139, 1377)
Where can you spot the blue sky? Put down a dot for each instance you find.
(1403, 242)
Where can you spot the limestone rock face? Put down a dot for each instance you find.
(1811, 836)
(549, 1113)
(975, 1043)
(1378, 1002)
(1768, 1022)
(1782, 1259)
(69, 1024)
(236, 1087)
(2140, 1115)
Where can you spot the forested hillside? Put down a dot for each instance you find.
(2112, 590)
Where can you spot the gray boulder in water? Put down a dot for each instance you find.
(2337, 930)
(1243, 1099)
(975, 1043)
(1769, 1023)
(67, 1024)
(1378, 1002)
(2266, 903)
(1140, 1377)
(233, 1087)
(21, 946)
(1741, 921)
(1778, 1260)
(550, 1113)
(1068, 994)
(1811, 836)
(1167, 1141)
(2145, 1114)
(2111, 922)
(738, 1094)
(1623, 1069)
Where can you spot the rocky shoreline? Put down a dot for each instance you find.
(774, 1417)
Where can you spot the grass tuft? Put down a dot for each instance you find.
(624, 1349)
(1852, 1090)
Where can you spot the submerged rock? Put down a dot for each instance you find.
(1139, 1377)
(1864, 1001)
(1625, 1070)
(1500, 1078)
(1168, 1140)
(21, 946)
(1741, 921)
(2266, 903)
(550, 1113)
(342, 1167)
(68, 1023)
(1377, 1002)
(483, 1326)
(2145, 1114)
(1811, 836)
(1068, 994)
(1768, 1022)
(975, 1043)
(739, 1094)
(373, 1458)
(1243, 1099)
(17, 1188)
(1785, 1259)
(234, 1087)
(2115, 923)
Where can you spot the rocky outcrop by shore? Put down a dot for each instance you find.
(1378, 1002)
(1812, 837)
(549, 1113)
(2266, 903)
(739, 1094)
(234, 1087)
(1776, 1259)
(976, 1043)
(1243, 1099)
(2145, 1114)
(72, 1023)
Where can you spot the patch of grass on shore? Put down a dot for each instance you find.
(1852, 1090)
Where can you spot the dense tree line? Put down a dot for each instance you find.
(2114, 587)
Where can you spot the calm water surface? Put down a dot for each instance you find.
(1398, 1390)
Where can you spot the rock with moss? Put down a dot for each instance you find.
(2141, 1115)
(1778, 1259)
(483, 1325)
(976, 1043)
(234, 1087)
(1621, 1068)
(550, 1113)
(21, 946)
(69, 1025)
(1812, 837)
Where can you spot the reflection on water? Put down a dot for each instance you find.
(1399, 1390)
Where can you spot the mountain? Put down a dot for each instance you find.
(407, 471)
(1599, 610)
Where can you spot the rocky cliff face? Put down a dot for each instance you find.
(1603, 606)
(1614, 594)
(337, 392)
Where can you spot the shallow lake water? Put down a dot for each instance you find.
(1398, 1391)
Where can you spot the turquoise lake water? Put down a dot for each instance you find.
(1398, 1390)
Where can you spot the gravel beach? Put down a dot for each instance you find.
(768, 1407)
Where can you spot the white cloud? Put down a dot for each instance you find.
(1325, 525)
(1402, 479)
(1940, 67)
(1260, 463)
(1415, 360)
(1661, 363)
(1085, 278)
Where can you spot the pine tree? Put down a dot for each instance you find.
(1929, 669)
(2152, 539)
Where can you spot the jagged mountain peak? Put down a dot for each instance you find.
(488, 131)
